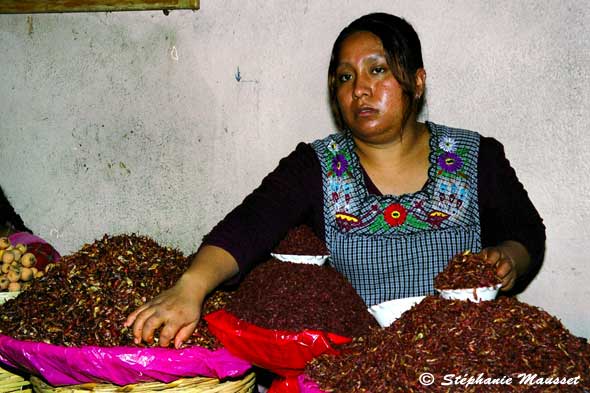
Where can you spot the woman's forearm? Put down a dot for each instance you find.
(211, 267)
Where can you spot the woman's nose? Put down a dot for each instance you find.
(362, 86)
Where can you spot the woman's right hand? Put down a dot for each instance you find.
(176, 311)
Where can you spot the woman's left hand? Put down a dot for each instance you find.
(505, 266)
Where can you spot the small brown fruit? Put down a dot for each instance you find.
(17, 254)
(39, 274)
(4, 283)
(28, 260)
(26, 274)
(4, 242)
(13, 275)
(5, 268)
(13, 287)
(21, 247)
(8, 257)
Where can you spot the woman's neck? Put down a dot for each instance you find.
(409, 145)
(399, 166)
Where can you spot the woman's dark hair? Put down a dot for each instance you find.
(402, 50)
(10, 221)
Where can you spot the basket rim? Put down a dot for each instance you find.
(194, 384)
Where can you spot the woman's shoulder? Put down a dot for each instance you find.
(302, 157)
(488, 146)
(307, 147)
(332, 144)
(453, 132)
(306, 153)
(329, 139)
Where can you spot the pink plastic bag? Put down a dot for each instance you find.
(43, 251)
(27, 238)
(119, 365)
(307, 385)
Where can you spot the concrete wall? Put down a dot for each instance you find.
(136, 122)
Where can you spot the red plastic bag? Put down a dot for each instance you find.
(286, 385)
(282, 352)
(43, 251)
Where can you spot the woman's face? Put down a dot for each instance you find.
(370, 98)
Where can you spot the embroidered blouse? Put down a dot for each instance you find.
(292, 194)
(392, 246)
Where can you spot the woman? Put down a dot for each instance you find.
(393, 198)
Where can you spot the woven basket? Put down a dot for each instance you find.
(10, 382)
(190, 385)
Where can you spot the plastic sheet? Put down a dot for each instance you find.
(119, 365)
(43, 251)
(285, 385)
(282, 352)
(307, 385)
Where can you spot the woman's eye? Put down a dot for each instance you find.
(344, 77)
(378, 70)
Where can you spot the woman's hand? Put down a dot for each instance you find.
(511, 260)
(505, 267)
(176, 311)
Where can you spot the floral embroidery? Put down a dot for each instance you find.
(338, 160)
(447, 144)
(348, 221)
(339, 164)
(334, 185)
(347, 217)
(436, 217)
(450, 162)
(378, 224)
(417, 223)
(450, 159)
(333, 147)
(395, 214)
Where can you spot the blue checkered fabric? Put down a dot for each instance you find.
(392, 247)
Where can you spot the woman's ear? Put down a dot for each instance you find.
(420, 82)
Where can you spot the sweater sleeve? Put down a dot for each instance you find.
(289, 196)
(506, 212)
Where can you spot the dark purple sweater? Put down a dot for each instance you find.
(292, 195)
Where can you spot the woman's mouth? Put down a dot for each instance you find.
(366, 111)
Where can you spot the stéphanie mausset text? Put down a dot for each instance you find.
(521, 379)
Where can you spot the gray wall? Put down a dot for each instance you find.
(135, 122)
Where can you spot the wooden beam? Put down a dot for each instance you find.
(37, 6)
